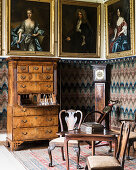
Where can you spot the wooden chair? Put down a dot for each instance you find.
(69, 120)
(103, 115)
(132, 136)
(110, 162)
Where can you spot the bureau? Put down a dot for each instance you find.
(29, 117)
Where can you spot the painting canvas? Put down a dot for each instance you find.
(119, 28)
(31, 27)
(79, 29)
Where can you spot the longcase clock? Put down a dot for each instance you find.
(99, 78)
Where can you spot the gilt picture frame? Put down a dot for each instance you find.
(119, 28)
(0, 27)
(78, 29)
(27, 19)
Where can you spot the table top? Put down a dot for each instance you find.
(79, 133)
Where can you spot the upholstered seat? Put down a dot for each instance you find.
(103, 163)
(60, 141)
(132, 135)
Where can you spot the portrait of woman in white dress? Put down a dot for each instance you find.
(27, 35)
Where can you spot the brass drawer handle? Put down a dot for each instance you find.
(49, 119)
(24, 133)
(48, 86)
(23, 86)
(35, 68)
(49, 131)
(23, 68)
(48, 68)
(23, 77)
(23, 121)
(23, 110)
(48, 77)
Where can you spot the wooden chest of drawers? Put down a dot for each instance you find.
(30, 122)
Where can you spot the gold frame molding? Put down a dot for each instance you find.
(0, 27)
(51, 52)
(132, 32)
(61, 53)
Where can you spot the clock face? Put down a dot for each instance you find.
(99, 74)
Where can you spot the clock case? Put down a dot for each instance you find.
(102, 90)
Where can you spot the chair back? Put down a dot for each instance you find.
(119, 140)
(123, 140)
(70, 119)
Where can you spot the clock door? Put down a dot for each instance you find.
(99, 98)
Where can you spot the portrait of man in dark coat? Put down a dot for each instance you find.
(79, 29)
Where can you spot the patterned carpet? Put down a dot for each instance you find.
(37, 159)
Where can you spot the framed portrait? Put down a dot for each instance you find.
(30, 27)
(78, 29)
(119, 28)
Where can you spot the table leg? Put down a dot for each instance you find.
(66, 153)
(93, 148)
(115, 147)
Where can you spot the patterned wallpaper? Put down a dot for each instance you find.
(76, 84)
(76, 88)
(123, 88)
(3, 93)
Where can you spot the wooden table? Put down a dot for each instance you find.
(82, 136)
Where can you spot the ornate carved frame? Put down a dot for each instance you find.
(0, 27)
(49, 52)
(132, 32)
(79, 4)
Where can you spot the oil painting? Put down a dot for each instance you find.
(119, 28)
(31, 27)
(79, 29)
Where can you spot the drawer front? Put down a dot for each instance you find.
(35, 121)
(35, 133)
(34, 77)
(34, 87)
(46, 77)
(35, 69)
(22, 111)
(48, 68)
(47, 132)
(22, 68)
